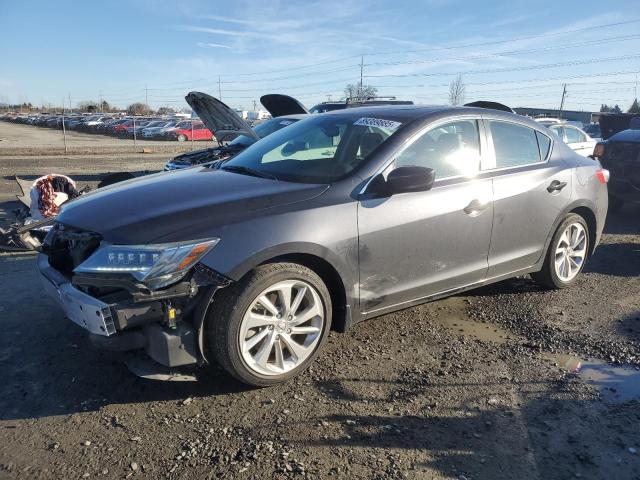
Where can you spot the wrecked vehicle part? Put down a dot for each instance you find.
(30, 226)
(120, 312)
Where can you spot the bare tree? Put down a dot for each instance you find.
(88, 106)
(138, 108)
(457, 91)
(166, 111)
(359, 92)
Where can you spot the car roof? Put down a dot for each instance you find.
(408, 113)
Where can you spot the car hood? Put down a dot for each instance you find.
(219, 118)
(279, 105)
(177, 206)
(627, 136)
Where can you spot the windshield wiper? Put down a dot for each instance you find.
(247, 171)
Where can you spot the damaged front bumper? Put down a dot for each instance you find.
(171, 337)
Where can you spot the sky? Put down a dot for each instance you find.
(516, 52)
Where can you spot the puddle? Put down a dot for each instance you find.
(616, 384)
(481, 331)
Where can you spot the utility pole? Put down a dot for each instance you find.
(64, 130)
(146, 95)
(636, 88)
(219, 89)
(100, 95)
(70, 107)
(361, 72)
(564, 94)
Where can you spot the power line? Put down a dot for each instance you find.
(504, 70)
(510, 52)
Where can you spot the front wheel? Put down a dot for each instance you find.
(566, 255)
(269, 327)
(182, 138)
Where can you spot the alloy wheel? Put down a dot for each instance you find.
(571, 251)
(282, 327)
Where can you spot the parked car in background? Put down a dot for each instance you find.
(577, 139)
(620, 154)
(593, 130)
(156, 129)
(352, 103)
(337, 218)
(189, 130)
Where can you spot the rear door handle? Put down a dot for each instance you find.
(476, 207)
(556, 186)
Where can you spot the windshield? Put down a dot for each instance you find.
(319, 149)
(262, 130)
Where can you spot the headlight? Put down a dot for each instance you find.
(155, 265)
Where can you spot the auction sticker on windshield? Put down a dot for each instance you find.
(377, 122)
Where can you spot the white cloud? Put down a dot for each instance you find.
(212, 45)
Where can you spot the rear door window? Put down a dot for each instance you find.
(514, 144)
(544, 145)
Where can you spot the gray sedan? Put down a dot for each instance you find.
(338, 218)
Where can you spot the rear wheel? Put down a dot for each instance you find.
(182, 138)
(270, 326)
(566, 255)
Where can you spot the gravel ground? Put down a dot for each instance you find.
(454, 389)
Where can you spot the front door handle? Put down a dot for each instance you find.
(556, 186)
(476, 207)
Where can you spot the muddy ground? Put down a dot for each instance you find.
(479, 386)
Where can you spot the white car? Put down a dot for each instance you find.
(575, 138)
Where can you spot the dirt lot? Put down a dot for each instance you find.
(478, 386)
(19, 139)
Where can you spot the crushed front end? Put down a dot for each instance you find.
(147, 297)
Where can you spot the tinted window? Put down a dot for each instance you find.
(544, 144)
(514, 144)
(574, 135)
(452, 149)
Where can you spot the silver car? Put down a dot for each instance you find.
(337, 218)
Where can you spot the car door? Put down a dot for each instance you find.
(531, 186)
(415, 245)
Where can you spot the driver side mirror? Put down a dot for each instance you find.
(410, 179)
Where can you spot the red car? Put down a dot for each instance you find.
(184, 131)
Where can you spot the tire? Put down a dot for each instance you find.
(182, 138)
(271, 360)
(551, 276)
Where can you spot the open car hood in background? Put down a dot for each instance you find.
(218, 117)
(278, 105)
